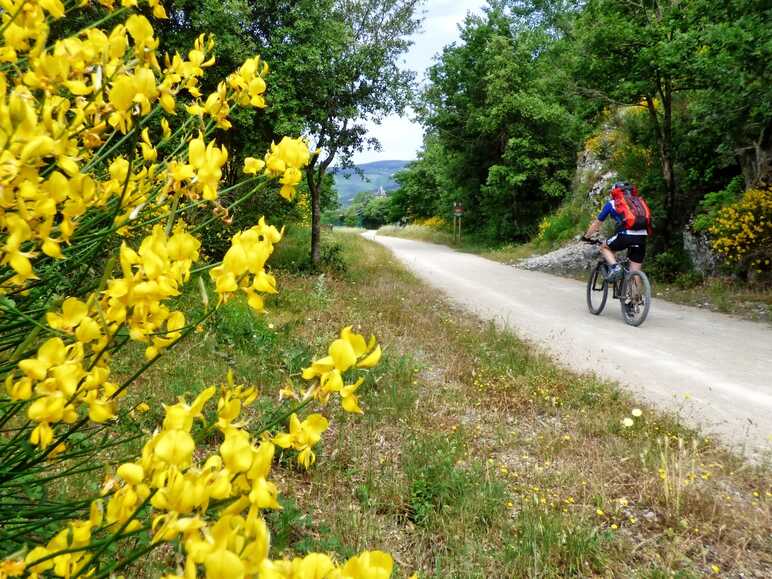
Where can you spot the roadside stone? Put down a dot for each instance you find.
(576, 257)
(698, 248)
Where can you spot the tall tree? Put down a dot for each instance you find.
(496, 109)
(629, 61)
(336, 66)
(670, 55)
(732, 62)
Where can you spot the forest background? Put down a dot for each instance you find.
(536, 102)
(542, 104)
(134, 181)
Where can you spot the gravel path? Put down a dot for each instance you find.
(714, 370)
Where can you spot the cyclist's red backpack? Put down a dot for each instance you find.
(632, 207)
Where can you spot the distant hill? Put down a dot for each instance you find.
(376, 174)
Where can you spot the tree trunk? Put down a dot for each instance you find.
(667, 158)
(664, 132)
(316, 215)
(756, 161)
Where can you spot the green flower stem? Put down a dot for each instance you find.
(280, 420)
(236, 203)
(21, 467)
(136, 554)
(133, 133)
(4, 305)
(118, 535)
(173, 213)
(206, 267)
(109, 540)
(13, 410)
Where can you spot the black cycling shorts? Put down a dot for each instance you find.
(634, 244)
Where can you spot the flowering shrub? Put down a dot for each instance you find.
(432, 223)
(107, 152)
(742, 231)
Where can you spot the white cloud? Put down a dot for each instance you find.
(401, 137)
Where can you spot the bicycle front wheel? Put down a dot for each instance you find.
(636, 298)
(597, 289)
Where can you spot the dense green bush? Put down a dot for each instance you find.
(712, 203)
(568, 221)
(667, 266)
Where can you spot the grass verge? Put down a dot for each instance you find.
(721, 295)
(476, 456)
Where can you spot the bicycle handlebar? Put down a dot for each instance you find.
(591, 241)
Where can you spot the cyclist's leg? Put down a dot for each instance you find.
(636, 253)
(608, 255)
(608, 248)
(635, 266)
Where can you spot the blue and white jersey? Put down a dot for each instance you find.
(609, 209)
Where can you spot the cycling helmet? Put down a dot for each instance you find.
(622, 185)
(621, 188)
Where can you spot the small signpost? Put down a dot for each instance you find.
(458, 212)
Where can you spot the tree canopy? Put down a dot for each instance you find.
(510, 105)
(336, 65)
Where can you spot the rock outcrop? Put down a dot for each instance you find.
(698, 249)
(570, 259)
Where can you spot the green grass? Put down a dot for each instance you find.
(723, 295)
(569, 220)
(444, 488)
(549, 544)
(476, 455)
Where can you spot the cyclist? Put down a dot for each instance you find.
(633, 225)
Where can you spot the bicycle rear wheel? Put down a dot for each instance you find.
(635, 298)
(597, 289)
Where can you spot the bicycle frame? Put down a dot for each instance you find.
(617, 287)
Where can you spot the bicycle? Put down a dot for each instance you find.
(633, 290)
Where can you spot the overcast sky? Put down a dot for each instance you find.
(401, 137)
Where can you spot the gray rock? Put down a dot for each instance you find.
(572, 258)
(698, 249)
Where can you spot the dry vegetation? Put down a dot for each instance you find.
(476, 456)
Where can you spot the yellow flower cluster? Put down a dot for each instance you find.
(66, 107)
(243, 267)
(437, 223)
(60, 378)
(37, 211)
(202, 173)
(63, 375)
(347, 352)
(543, 226)
(742, 231)
(303, 436)
(213, 504)
(50, 140)
(151, 275)
(284, 161)
(249, 83)
(247, 89)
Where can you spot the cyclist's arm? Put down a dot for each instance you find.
(593, 228)
(595, 225)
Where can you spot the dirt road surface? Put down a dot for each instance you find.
(714, 370)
